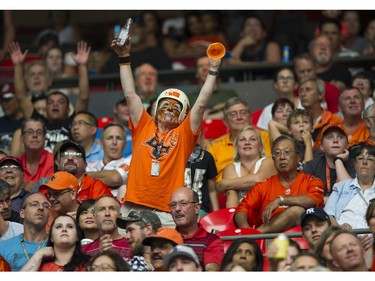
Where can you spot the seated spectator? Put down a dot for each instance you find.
(311, 95)
(246, 252)
(300, 126)
(8, 228)
(161, 244)
(182, 258)
(354, 40)
(277, 203)
(254, 45)
(11, 170)
(108, 261)
(364, 82)
(209, 247)
(85, 218)
(12, 119)
(332, 164)
(322, 247)
(344, 244)
(138, 225)
(370, 39)
(305, 261)
(63, 249)
(280, 111)
(305, 66)
(113, 142)
(37, 161)
(321, 49)
(249, 167)
(83, 129)
(351, 105)
(314, 221)
(107, 210)
(347, 205)
(71, 157)
(284, 83)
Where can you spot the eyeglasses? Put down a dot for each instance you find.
(57, 195)
(182, 204)
(31, 132)
(10, 167)
(368, 159)
(37, 204)
(278, 153)
(80, 123)
(235, 114)
(102, 267)
(71, 154)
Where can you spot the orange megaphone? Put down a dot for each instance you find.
(216, 51)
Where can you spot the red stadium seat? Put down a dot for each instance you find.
(241, 231)
(213, 128)
(255, 117)
(300, 240)
(218, 220)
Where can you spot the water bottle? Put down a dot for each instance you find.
(124, 33)
(286, 54)
(282, 243)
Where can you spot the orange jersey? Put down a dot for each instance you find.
(263, 193)
(170, 153)
(360, 134)
(92, 188)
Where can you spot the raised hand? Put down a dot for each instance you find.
(16, 54)
(83, 53)
(121, 51)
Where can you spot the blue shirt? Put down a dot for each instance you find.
(13, 252)
(96, 153)
(342, 193)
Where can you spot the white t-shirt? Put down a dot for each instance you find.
(14, 229)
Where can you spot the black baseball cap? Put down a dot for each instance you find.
(316, 212)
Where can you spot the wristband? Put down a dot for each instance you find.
(338, 158)
(213, 73)
(124, 60)
(282, 200)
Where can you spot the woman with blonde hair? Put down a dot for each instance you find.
(249, 167)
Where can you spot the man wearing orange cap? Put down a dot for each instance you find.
(62, 192)
(163, 144)
(161, 244)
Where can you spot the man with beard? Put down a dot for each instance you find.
(71, 158)
(35, 213)
(276, 204)
(138, 226)
(62, 192)
(161, 244)
(106, 212)
(163, 144)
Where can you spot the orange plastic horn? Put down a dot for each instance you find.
(216, 51)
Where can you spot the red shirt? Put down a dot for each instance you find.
(120, 246)
(45, 167)
(208, 246)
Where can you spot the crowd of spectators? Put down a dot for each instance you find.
(128, 192)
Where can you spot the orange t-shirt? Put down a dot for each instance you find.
(263, 193)
(51, 266)
(92, 188)
(177, 145)
(359, 135)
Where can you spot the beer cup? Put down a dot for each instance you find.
(216, 51)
